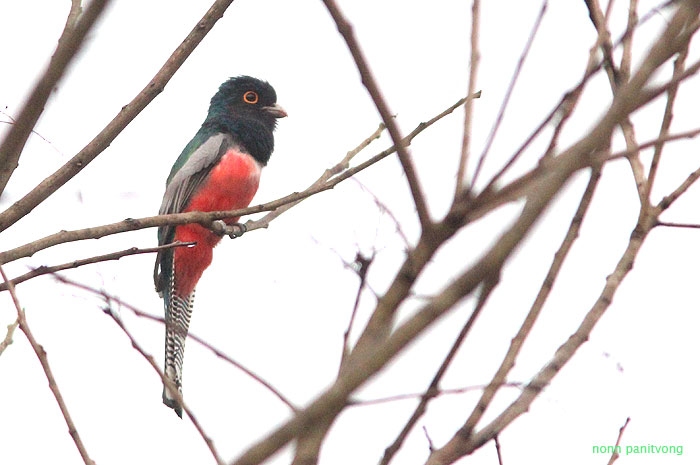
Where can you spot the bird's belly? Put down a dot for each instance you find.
(231, 184)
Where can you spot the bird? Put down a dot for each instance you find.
(219, 169)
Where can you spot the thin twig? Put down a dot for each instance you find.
(654, 11)
(509, 91)
(654, 142)
(347, 264)
(564, 103)
(599, 21)
(346, 31)
(421, 395)
(678, 67)
(498, 450)
(560, 113)
(431, 446)
(43, 360)
(362, 263)
(383, 208)
(615, 454)
(626, 61)
(34, 131)
(678, 225)
(8, 337)
(434, 390)
(42, 270)
(680, 190)
(475, 58)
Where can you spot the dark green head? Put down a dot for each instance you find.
(247, 109)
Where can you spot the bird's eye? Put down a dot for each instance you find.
(250, 97)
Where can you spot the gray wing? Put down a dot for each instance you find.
(179, 191)
(188, 178)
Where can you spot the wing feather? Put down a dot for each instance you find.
(178, 193)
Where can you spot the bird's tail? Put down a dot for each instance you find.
(178, 311)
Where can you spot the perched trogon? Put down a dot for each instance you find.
(218, 170)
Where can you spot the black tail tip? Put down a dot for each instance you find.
(172, 403)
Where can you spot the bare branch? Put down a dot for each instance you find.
(42, 270)
(77, 27)
(363, 263)
(469, 105)
(670, 224)
(654, 142)
(680, 190)
(626, 61)
(434, 388)
(497, 442)
(8, 337)
(615, 454)
(43, 360)
(421, 395)
(132, 224)
(431, 447)
(599, 21)
(13, 121)
(509, 92)
(508, 362)
(127, 114)
(678, 68)
(461, 445)
(616, 79)
(346, 31)
(560, 113)
(385, 210)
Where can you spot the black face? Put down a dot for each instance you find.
(246, 109)
(247, 97)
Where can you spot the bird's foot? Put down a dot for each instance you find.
(231, 230)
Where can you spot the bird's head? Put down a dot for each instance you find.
(246, 108)
(247, 98)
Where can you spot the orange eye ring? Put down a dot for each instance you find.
(250, 97)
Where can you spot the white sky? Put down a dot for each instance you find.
(279, 300)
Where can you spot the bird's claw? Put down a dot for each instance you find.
(231, 230)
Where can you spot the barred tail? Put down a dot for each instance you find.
(178, 310)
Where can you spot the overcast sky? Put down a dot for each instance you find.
(279, 300)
